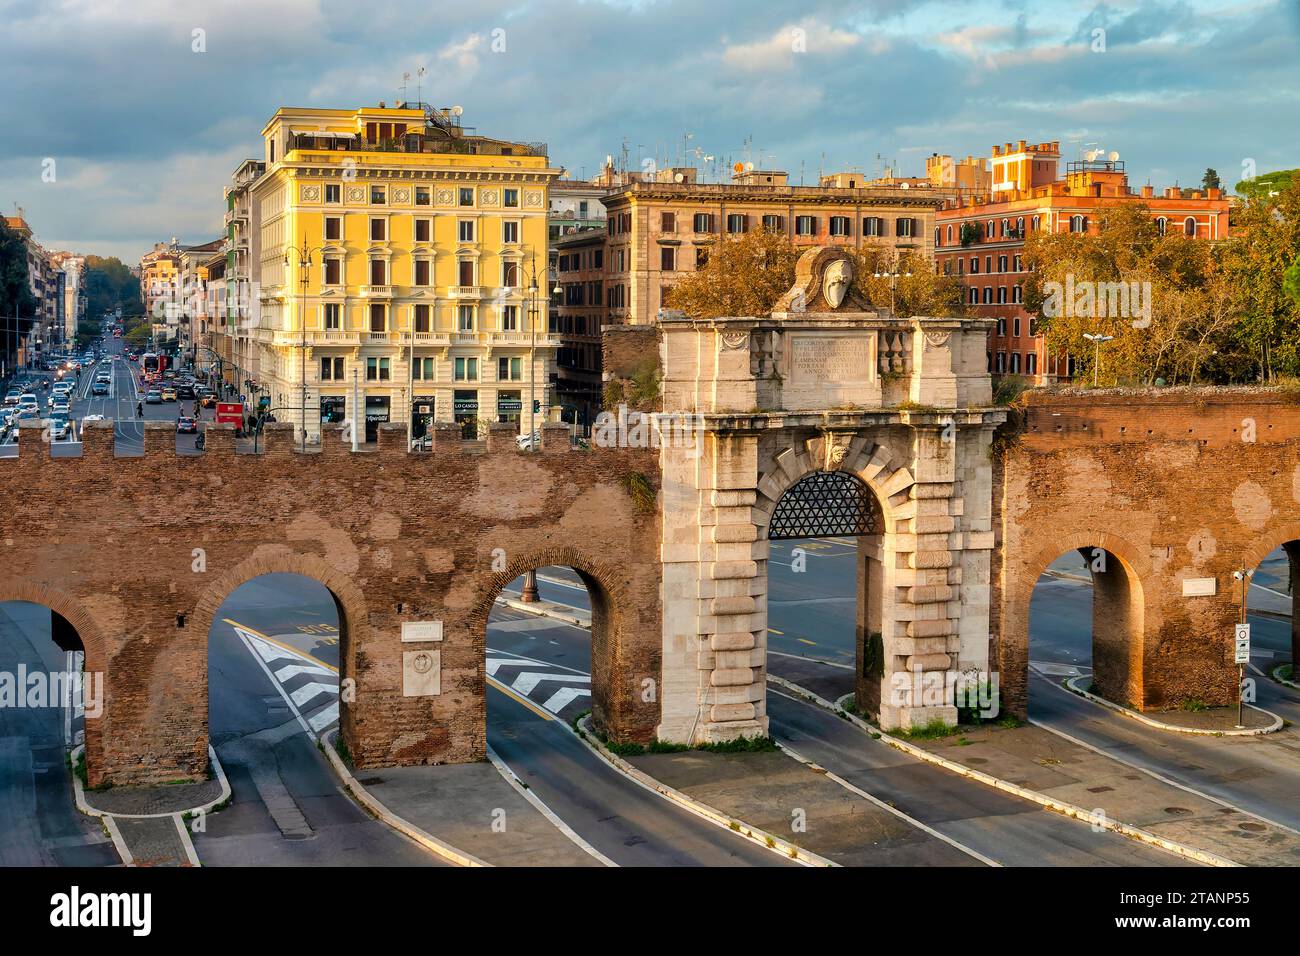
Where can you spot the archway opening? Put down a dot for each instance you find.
(1085, 626)
(46, 695)
(826, 587)
(1274, 628)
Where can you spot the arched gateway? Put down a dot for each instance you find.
(825, 415)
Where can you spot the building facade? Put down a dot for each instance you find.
(578, 318)
(233, 333)
(402, 270)
(982, 240)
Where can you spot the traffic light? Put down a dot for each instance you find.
(537, 405)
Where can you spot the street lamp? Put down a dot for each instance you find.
(1096, 341)
(893, 275)
(1244, 575)
(303, 257)
(532, 352)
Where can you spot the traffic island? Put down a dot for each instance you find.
(1195, 719)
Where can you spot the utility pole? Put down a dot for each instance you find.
(1096, 341)
(1242, 633)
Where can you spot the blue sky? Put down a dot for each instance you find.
(144, 132)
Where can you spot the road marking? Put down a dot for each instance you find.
(527, 681)
(815, 660)
(494, 664)
(522, 700)
(326, 717)
(772, 630)
(310, 691)
(293, 670)
(563, 697)
(803, 640)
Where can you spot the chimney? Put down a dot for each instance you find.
(1022, 146)
(1148, 192)
(1214, 193)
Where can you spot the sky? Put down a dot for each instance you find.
(124, 120)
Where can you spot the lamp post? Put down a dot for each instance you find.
(532, 442)
(303, 256)
(1096, 341)
(893, 275)
(1243, 575)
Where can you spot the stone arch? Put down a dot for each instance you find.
(618, 643)
(93, 643)
(1287, 536)
(1120, 670)
(353, 616)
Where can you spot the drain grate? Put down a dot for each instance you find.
(1252, 827)
(1177, 811)
(370, 781)
(1102, 789)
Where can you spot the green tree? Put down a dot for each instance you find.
(1262, 186)
(110, 284)
(1211, 179)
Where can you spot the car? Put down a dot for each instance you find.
(11, 397)
(153, 397)
(186, 426)
(185, 391)
(169, 394)
(529, 442)
(99, 388)
(208, 401)
(27, 400)
(60, 405)
(28, 388)
(62, 388)
(93, 418)
(60, 428)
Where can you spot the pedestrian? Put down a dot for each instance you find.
(139, 410)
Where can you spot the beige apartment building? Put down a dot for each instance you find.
(398, 258)
(661, 231)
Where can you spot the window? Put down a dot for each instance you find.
(1019, 264)
(737, 222)
(582, 209)
(333, 270)
(773, 224)
(1161, 224)
(703, 222)
(1015, 298)
(988, 263)
(1015, 363)
(1000, 364)
(422, 271)
(974, 265)
(598, 259)
(510, 275)
(989, 229)
(1020, 227)
(1002, 263)
(839, 225)
(422, 195)
(333, 228)
(465, 230)
(510, 318)
(1035, 223)
(510, 231)
(805, 225)
(378, 195)
(511, 200)
(420, 319)
(423, 230)
(378, 370)
(510, 369)
(466, 369)
(378, 230)
(701, 257)
(988, 295)
(1002, 326)
(424, 369)
(465, 318)
(331, 369)
(1078, 223)
(466, 196)
(1004, 228)
(1189, 227)
(667, 222)
(333, 315)
(378, 272)
(948, 235)
(1002, 296)
(974, 296)
(667, 259)
(873, 226)
(1015, 327)
(333, 192)
(905, 228)
(1031, 363)
(378, 317)
(465, 272)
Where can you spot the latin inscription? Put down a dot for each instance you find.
(824, 359)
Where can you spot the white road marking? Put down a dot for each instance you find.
(326, 717)
(293, 670)
(307, 691)
(563, 697)
(494, 664)
(525, 682)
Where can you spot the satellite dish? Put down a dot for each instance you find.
(903, 185)
(1114, 156)
(749, 167)
(738, 168)
(678, 177)
(457, 110)
(1090, 155)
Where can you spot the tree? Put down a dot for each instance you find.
(745, 275)
(1261, 186)
(110, 284)
(1211, 179)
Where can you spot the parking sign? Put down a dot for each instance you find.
(1243, 644)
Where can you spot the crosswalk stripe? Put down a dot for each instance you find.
(494, 664)
(307, 691)
(326, 717)
(563, 697)
(525, 682)
(268, 652)
(291, 671)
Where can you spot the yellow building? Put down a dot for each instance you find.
(159, 278)
(413, 302)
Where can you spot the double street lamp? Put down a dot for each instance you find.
(302, 255)
(893, 275)
(1096, 341)
(532, 442)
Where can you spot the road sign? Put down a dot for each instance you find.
(230, 413)
(1243, 644)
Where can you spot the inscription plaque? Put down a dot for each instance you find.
(831, 359)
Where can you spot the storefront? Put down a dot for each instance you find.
(333, 408)
(509, 406)
(465, 410)
(377, 412)
(422, 408)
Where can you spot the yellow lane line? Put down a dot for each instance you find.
(805, 641)
(772, 630)
(522, 700)
(288, 647)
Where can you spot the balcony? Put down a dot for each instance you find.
(427, 338)
(465, 291)
(376, 337)
(377, 291)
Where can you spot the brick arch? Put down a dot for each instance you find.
(870, 463)
(618, 709)
(1012, 651)
(93, 643)
(1265, 543)
(353, 615)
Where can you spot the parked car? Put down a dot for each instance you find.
(529, 442)
(153, 397)
(187, 426)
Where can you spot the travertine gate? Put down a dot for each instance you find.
(138, 553)
(824, 384)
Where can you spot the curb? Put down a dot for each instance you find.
(1058, 806)
(1161, 725)
(536, 802)
(382, 813)
(1283, 680)
(764, 839)
(537, 611)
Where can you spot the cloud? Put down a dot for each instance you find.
(778, 50)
